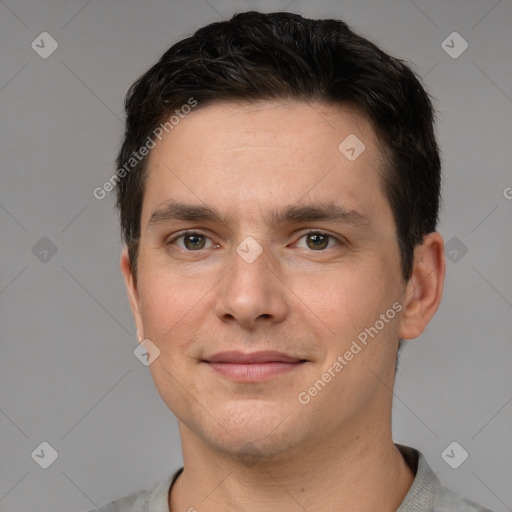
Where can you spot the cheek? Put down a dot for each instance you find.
(349, 301)
(344, 299)
(169, 306)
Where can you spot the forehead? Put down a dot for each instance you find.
(249, 157)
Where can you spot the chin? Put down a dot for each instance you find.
(256, 429)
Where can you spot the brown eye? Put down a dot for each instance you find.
(317, 241)
(191, 241)
(194, 241)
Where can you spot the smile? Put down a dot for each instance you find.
(252, 367)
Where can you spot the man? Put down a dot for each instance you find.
(278, 189)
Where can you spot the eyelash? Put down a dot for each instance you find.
(190, 232)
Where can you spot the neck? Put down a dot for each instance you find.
(363, 471)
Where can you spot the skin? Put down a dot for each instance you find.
(253, 446)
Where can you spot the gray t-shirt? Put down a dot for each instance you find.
(426, 494)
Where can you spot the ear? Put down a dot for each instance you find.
(425, 287)
(133, 295)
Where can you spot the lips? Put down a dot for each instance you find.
(252, 358)
(252, 367)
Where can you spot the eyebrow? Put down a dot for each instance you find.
(327, 212)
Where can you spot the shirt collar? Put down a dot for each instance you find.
(420, 496)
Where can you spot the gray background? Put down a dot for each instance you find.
(68, 375)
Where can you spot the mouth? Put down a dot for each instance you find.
(252, 367)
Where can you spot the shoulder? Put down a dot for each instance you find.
(427, 493)
(136, 502)
(446, 500)
(145, 500)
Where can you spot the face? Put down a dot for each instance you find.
(269, 276)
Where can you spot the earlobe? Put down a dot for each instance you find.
(131, 289)
(425, 287)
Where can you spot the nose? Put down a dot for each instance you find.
(251, 294)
